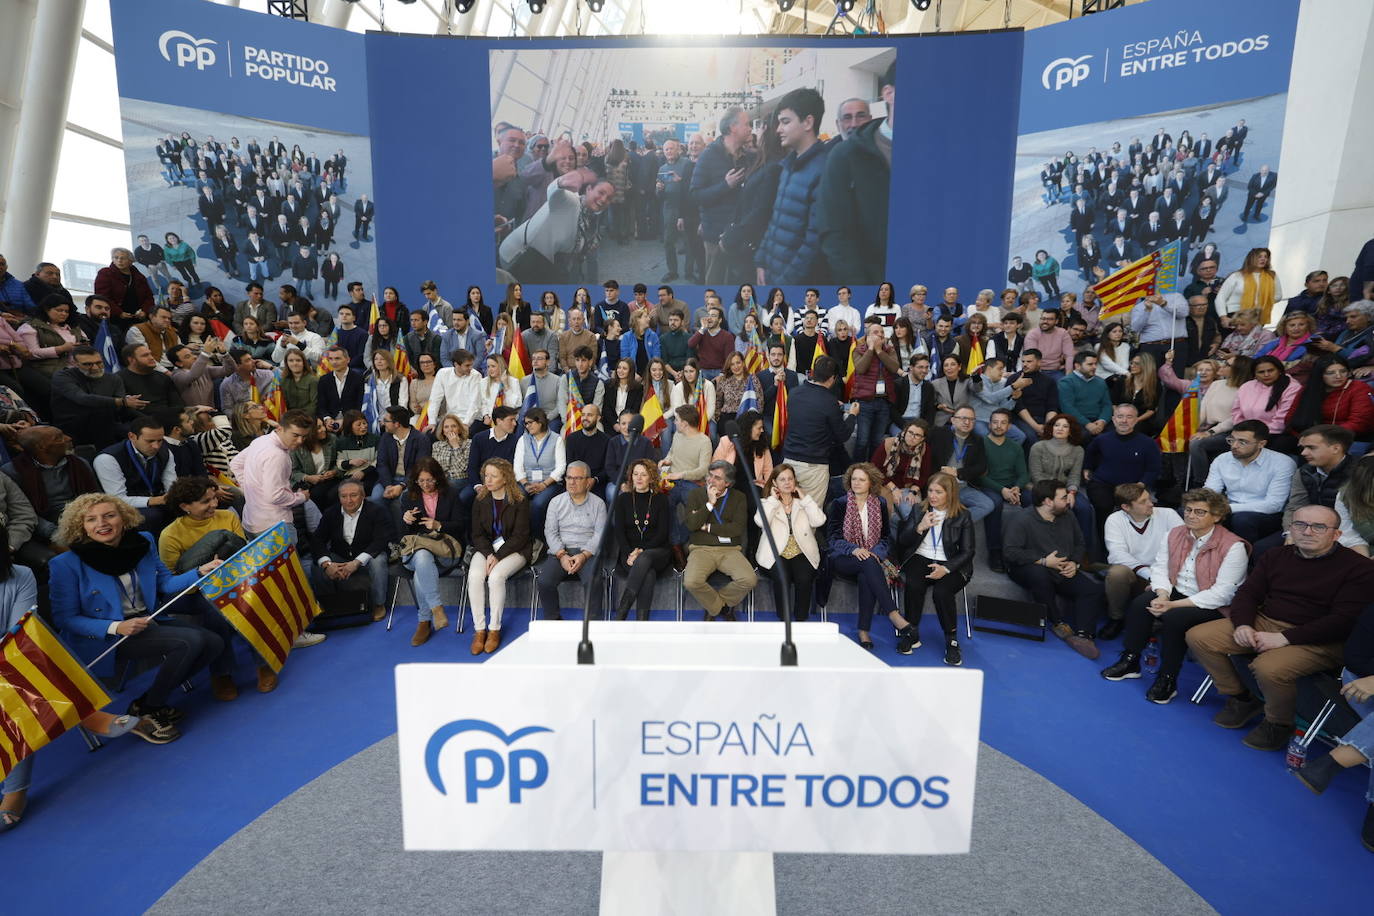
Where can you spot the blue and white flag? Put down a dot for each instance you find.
(750, 399)
(531, 398)
(436, 323)
(370, 404)
(603, 365)
(105, 344)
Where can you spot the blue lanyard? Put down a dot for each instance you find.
(140, 466)
(539, 455)
(719, 510)
(961, 452)
(496, 517)
(133, 594)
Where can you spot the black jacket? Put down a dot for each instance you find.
(814, 423)
(901, 396)
(330, 404)
(958, 535)
(448, 512)
(975, 463)
(371, 536)
(853, 206)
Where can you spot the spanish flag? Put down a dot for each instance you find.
(652, 412)
(1157, 272)
(975, 355)
(263, 593)
(703, 424)
(819, 351)
(372, 319)
(44, 690)
(401, 361)
(422, 422)
(1181, 426)
(779, 417)
(849, 370)
(520, 363)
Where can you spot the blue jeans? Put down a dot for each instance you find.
(19, 777)
(426, 568)
(539, 507)
(710, 373)
(305, 289)
(874, 414)
(978, 503)
(1014, 432)
(1361, 737)
(259, 270)
(992, 524)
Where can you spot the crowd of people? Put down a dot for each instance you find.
(263, 212)
(799, 444)
(781, 203)
(1124, 203)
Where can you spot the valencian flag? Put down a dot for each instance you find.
(270, 397)
(400, 361)
(753, 360)
(779, 417)
(324, 368)
(44, 690)
(652, 412)
(699, 399)
(520, 364)
(263, 593)
(1184, 422)
(575, 405)
(1157, 272)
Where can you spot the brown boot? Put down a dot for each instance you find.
(440, 619)
(267, 679)
(493, 640)
(224, 688)
(378, 613)
(421, 633)
(479, 641)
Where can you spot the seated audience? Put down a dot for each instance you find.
(1132, 536)
(793, 518)
(715, 516)
(501, 546)
(1254, 479)
(350, 547)
(573, 534)
(943, 562)
(860, 540)
(431, 534)
(641, 538)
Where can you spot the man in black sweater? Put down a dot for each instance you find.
(1039, 400)
(815, 423)
(141, 378)
(589, 444)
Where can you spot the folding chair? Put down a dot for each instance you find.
(400, 573)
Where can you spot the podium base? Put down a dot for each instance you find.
(719, 883)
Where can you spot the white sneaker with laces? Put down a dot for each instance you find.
(307, 639)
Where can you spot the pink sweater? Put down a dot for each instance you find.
(263, 471)
(1251, 401)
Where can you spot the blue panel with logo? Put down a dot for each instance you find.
(203, 55)
(1157, 56)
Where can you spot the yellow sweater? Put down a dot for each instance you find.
(178, 537)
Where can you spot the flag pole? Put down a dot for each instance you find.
(194, 585)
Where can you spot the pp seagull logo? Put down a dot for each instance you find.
(1068, 71)
(187, 49)
(487, 769)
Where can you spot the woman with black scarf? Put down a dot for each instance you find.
(106, 586)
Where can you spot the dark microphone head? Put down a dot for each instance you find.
(636, 425)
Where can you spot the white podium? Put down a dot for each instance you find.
(688, 756)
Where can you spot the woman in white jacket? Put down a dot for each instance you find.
(499, 388)
(1254, 286)
(793, 517)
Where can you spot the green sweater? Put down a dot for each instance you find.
(1006, 465)
(1086, 400)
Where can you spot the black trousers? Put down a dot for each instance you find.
(1174, 627)
(641, 579)
(945, 590)
(182, 646)
(1046, 585)
(802, 576)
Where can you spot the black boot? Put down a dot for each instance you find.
(1316, 774)
(1367, 832)
(907, 639)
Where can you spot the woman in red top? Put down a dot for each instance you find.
(1338, 399)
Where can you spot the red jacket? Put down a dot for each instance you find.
(110, 283)
(1350, 407)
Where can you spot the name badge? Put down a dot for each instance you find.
(498, 543)
(723, 540)
(536, 475)
(881, 388)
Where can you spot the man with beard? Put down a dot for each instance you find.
(88, 404)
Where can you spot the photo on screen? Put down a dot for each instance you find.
(1091, 198)
(700, 164)
(224, 200)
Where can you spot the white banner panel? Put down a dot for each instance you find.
(771, 760)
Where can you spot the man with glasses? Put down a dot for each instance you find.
(572, 531)
(1291, 615)
(957, 451)
(88, 403)
(1254, 480)
(1194, 572)
(1326, 468)
(716, 517)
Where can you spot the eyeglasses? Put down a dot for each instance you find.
(1232, 440)
(570, 477)
(1196, 511)
(1313, 527)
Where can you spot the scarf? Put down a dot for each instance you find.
(1258, 293)
(113, 560)
(1284, 348)
(913, 457)
(853, 533)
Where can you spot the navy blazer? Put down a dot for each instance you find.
(330, 404)
(86, 602)
(768, 387)
(372, 535)
(449, 512)
(418, 446)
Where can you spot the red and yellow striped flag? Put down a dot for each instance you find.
(652, 412)
(520, 364)
(1157, 272)
(849, 370)
(818, 352)
(1181, 426)
(703, 424)
(753, 360)
(44, 690)
(372, 319)
(271, 398)
(400, 360)
(573, 421)
(263, 593)
(779, 417)
(422, 422)
(975, 356)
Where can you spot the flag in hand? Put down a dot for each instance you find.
(652, 412)
(400, 359)
(779, 416)
(703, 423)
(975, 356)
(818, 352)
(603, 365)
(44, 690)
(531, 400)
(1175, 435)
(372, 319)
(272, 398)
(849, 370)
(220, 329)
(750, 399)
(436, 323)
(575, 405)
(324, 368)
(1157, 272)
(105, 344)
(520, 364)
(263, 593)
(370, 404)
(753, 360)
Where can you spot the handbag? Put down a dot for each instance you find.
(441, 545)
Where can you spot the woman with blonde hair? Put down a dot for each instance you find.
(1290, 347)
(1247, 335)
(1254, 286)
(452, 448)
(943, 562)
(793, 517)
(500, 542)
(247, 421)
(498, 389)
(1141, 387)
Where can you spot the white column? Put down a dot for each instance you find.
(1324, 204)
(333, 13)
(547, 23)
(42, 117)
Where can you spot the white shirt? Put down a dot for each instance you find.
(459, 396)
(111, 477)
(1137, 551)
(350, 530)
(837, 313)
(311, 344)
(1229, 576)
(1349, 536)
(933, 544)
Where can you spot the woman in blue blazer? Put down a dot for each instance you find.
(105, 587)
(429, 506)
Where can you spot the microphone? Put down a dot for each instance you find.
(789, 648)
(586, 655)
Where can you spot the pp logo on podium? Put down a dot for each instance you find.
(522, 769)
(1066, 71)
(184, 49)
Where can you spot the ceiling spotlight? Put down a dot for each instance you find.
(786, 5)
(537, 6)
(464, 6)
(596, 5)
(921, 5)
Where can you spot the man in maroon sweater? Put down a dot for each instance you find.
(712, 345)
(1293, 613)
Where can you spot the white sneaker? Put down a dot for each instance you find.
(307, 639)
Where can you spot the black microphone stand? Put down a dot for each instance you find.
(789, 648)
(586, 655)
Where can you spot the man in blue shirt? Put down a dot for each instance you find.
(1120, 456)
(1254, 479)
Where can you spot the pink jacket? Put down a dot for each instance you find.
(263, 471)
(1251, 404)
(1056, 348)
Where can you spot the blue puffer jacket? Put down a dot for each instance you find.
(791, 248)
